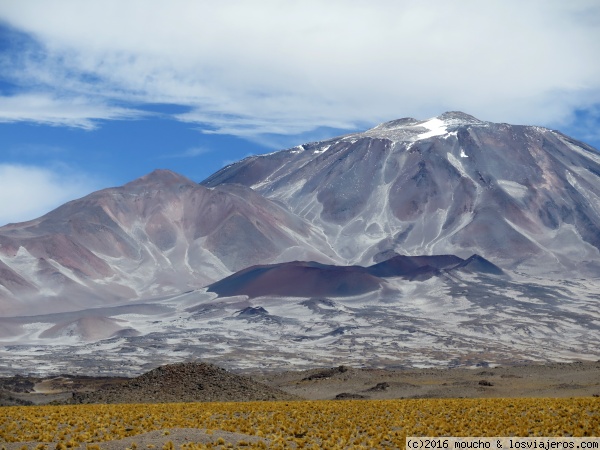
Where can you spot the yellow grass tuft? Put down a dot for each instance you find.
(305, 425)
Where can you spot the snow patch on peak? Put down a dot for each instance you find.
(435, 126)
(411, 130)
(321, 150)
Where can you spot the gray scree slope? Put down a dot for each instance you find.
(524, 197)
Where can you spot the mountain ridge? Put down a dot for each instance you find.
(524, 196)
(161, 229)
(393, 219)
(310, 279)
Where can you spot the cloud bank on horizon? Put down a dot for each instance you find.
(258, 70)
(247, 68)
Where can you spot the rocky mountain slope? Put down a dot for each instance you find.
(525, 197)
(159, 234)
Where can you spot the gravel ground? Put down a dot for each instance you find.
(579, 379)
(191, 382)
(157, 439)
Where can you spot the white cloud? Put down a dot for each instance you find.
(78, 112)
(27, 192)
(247, 68)
(188, 153)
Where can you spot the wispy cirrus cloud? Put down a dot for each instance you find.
(77, 112)
(250, 69)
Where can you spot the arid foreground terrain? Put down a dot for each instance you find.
(162, 409)
(202, 382)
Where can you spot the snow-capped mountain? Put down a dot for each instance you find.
(525, 197)
(448, 241)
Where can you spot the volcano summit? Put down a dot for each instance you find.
(526, 197)
(448, 241)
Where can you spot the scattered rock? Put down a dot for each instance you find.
(327, 373)
(348, 396)
(568, 386)
(8, 400)
(19, 383)
(380, 386)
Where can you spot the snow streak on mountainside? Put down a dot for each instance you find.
(161, 233)
(525, 197)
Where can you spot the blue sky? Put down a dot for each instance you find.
(97, 93)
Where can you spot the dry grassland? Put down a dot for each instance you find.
(299, 424)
